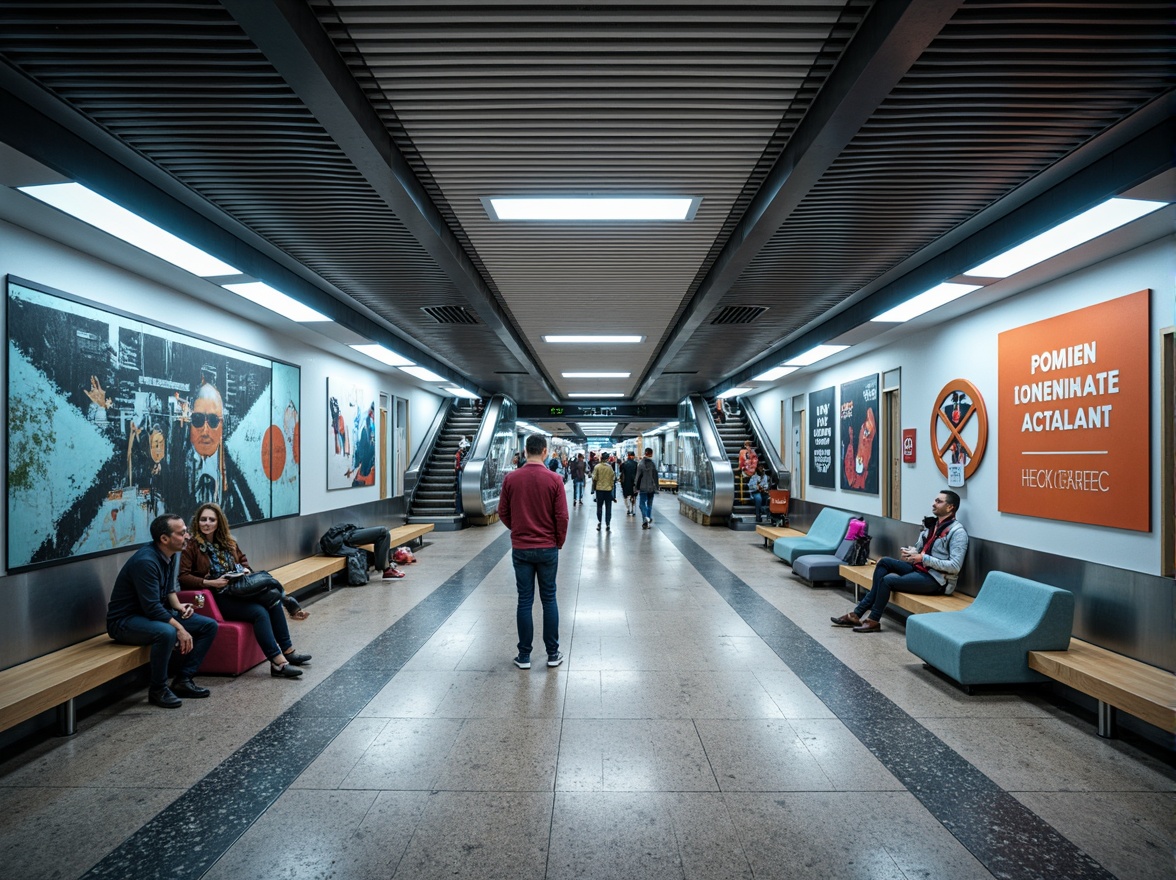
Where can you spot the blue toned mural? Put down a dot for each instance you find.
(112, 421)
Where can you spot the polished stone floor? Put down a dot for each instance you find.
(707, 723)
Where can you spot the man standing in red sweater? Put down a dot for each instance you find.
(533, 506)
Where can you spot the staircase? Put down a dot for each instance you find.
(734, 433)
(435, 499)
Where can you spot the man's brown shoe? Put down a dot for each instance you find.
(868, 625)
(850, 619)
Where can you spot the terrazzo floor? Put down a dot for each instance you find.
(707, 723)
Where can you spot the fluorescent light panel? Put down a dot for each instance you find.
(383, 355)
(1099, 220)
(594, 208)
(733, 392)
(596, 375)
(597, 394)
(597, 339)
(773, 374)
(819, 353)
(424, 374)
(267, 297)
(940, 294)
(99, 211)
(461, 392)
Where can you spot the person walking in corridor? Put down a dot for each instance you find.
(604, 481)
(647, 486)
(534, 506)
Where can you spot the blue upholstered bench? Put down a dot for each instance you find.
(990, 640)
(823, 536)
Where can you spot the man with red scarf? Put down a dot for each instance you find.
(929, 568)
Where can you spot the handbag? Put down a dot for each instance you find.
(257, 586)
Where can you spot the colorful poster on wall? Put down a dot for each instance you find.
(113, 421)
(351, 435)
(1075, 431)
(858, 433)
(821, 433)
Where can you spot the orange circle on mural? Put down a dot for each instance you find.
(273, 452)
(297, 441)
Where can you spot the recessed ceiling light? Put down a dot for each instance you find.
(383, 355)
(89, 207)
(773, 374)
(928, 300)
(598, 339)
(813, 355)
(596, 208)
(267, 297)
(1099, 220)
(422, 373)
(461, 392)
(596, 375)
(733, 392)
(597, 394)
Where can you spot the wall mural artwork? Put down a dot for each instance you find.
(351, 435)
(113, 421)
(858, 430)
(821, 404)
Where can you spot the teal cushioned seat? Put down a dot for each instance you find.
(988, 642)
(823, 536)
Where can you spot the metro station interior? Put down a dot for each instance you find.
(896, 246)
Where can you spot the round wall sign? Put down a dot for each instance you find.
(959, 427)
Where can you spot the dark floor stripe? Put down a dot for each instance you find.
(188, 836)
(1004, 835)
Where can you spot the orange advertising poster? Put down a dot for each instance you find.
(1074, 432)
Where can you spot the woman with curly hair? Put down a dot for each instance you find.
(211, 554)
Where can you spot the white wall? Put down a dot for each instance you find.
(967, 348)
(49, 263)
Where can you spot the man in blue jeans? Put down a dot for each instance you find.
(532, 504)
(145, 610)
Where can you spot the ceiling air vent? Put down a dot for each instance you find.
(738, 314)
(451, 314)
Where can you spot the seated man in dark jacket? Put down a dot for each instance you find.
(145, 610)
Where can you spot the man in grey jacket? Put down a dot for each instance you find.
(647, 486)
(928, 568)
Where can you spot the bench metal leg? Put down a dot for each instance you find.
(67, 721)
(1106, 720)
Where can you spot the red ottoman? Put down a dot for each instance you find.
(235, 649)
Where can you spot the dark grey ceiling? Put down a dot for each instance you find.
(844, 151)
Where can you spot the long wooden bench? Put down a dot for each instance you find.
(771, 533)
(52, 681)
(863, 576)
(304, 572)
(55, 679)
(1115, 681)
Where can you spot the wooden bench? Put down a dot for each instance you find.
(304, 572)
(863, 576)
(665, 485)
(55, 679)
(771, 533)
(52, 681)
(1117, 682)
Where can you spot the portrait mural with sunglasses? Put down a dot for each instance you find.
(114, 421)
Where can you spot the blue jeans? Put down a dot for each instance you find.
(893, 574)
(269, 624)
(377, 535)
(577, 490)
(139, 630)
(761, 504)
(645, 502)
(531, 566)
